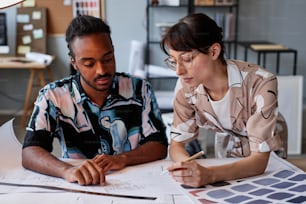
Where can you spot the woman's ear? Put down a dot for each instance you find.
(215, 50)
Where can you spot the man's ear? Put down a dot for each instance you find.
(72, 61)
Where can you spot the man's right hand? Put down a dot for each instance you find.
(88, 173)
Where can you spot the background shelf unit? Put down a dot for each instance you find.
(169, 14)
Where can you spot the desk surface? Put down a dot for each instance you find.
(139, 180)
(19, 63)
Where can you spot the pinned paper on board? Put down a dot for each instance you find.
(23, 18)
(23, 49)
(38, 33)
(28, 3)
(31, 21)
(26, 39)
(36, 15)
(28, 27)
(67, 2)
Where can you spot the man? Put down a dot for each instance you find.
(109, 119)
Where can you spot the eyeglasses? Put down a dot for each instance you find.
(185, 59)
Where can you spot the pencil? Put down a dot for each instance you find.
(195, 156)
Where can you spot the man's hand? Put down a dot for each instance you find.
(40, 160)
(109, 162)
(88, 173)
(150, 151)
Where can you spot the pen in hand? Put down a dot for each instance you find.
(195, 156)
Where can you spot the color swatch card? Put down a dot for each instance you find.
(86, 7)
(287, 185)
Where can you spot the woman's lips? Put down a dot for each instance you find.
(187, 79)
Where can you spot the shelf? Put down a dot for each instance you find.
(216, 6)
(228, 12)
(262, 48)
(167, 6)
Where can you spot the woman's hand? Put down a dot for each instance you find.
(190, 173)
(195, 175)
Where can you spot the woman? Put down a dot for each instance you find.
(236, 99)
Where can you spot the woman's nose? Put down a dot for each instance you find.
(180, 69)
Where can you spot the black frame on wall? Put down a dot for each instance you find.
(3, 29)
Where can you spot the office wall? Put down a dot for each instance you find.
(280, 21)
(127, 21)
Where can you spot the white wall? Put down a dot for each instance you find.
(279, 21)
(127, 20)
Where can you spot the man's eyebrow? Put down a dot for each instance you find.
(109, 53)
(91, 58)
(86, 58)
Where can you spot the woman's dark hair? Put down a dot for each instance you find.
(195, 31)
(85, 25)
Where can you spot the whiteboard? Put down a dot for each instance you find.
(290, 100)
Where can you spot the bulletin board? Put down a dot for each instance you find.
(31, 30)
(59, 14)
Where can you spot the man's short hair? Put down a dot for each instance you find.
(84, 25)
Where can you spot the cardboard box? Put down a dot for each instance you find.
(224, 2)
(204, 2)
(169, 2)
